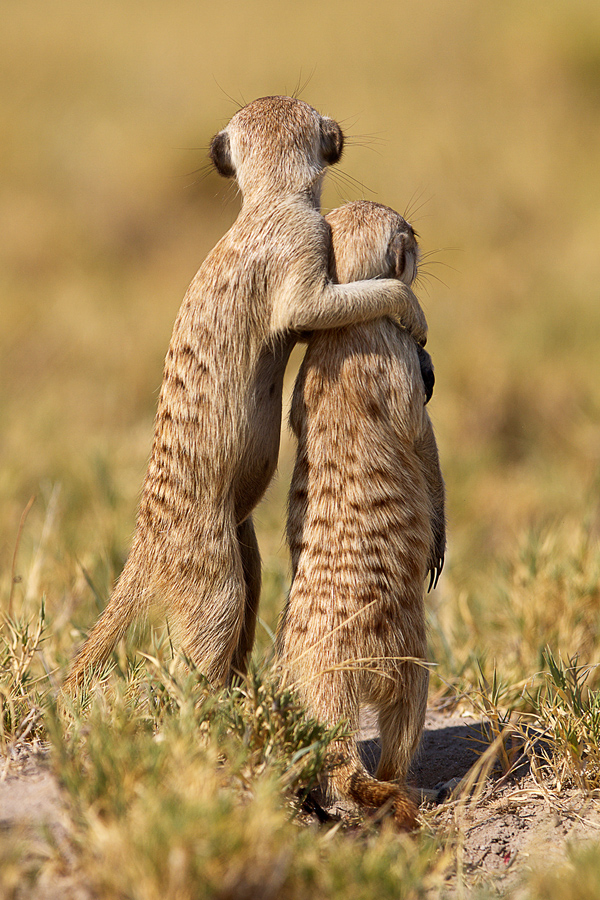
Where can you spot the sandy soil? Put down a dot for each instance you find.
(509, 822)
(35, 827)
(512, 822)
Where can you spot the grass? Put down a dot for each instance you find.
(175, 792)
(483, 120)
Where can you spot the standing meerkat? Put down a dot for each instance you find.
(366, 521)
(216, 435)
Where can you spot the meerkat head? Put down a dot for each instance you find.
(369, 241)
(277, 143)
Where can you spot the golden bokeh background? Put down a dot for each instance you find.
(480, 120)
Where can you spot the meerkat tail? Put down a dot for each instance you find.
(128, 603)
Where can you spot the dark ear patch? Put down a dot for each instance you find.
(396, 255)
(220, 153)
(332, 141)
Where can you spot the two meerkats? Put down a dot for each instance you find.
(217, 434)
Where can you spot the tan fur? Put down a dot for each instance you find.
(366, 521)
(217, 426)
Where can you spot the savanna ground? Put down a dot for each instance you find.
(481, 121)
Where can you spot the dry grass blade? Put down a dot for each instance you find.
(13, 570)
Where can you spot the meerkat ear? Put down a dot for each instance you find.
(396, 255)
(220, 153)
(332, 140)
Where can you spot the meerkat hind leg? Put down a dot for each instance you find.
(210, 610)
(400, 728)
(252, 579)
(333, 696)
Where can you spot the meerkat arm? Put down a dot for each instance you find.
(427, 452)
(336, 305)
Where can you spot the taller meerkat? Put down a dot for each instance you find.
(216, 436)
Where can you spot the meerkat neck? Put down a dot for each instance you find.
(307, 195)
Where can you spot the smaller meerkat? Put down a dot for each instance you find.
(217, 426)
(366, 521)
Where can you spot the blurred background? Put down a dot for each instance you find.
(480, 121)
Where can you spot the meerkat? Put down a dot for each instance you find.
(365, 521)
(217, 427)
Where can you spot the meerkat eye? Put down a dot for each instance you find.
(220, 154)
(332, 140)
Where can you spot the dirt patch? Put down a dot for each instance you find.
(34, 829)
(513, 820)
(29, 795)
(451, 744)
